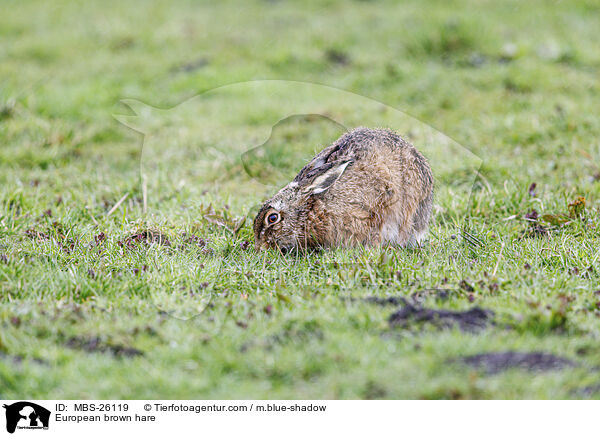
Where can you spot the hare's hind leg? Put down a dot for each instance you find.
(421, 222)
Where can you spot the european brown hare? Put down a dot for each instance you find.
(370, 187)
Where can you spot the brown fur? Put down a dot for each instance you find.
(370, 187)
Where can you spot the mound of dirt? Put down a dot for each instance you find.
(96, 345)
(471, 320)
(493, 363)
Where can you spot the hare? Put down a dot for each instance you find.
(370, 187)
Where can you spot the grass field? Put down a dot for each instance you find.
(161, 295)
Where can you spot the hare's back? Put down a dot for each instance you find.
(385, 170)
(362, 141)
(385, 155)
(356, 145)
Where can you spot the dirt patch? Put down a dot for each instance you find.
(96, 345)
(336, 56)
(417, 297)
(17, 359)
(535, 228)
(471, 320)
(147, 236)
(387, 301)
(493, 363)
(190, 67)
(191, 240)
(56, 231)
(99, 239)
(587, 391)
(36, 235)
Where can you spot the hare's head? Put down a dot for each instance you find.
(283, 221)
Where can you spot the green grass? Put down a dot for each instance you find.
(204, 315)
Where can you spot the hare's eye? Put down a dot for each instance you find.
(272, 218)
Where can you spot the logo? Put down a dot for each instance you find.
(26, 415)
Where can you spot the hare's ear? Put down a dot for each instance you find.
(323, 182)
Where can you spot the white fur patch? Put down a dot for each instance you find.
(416, 239)
(420, 236)
(276, 205)
(390, 232)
